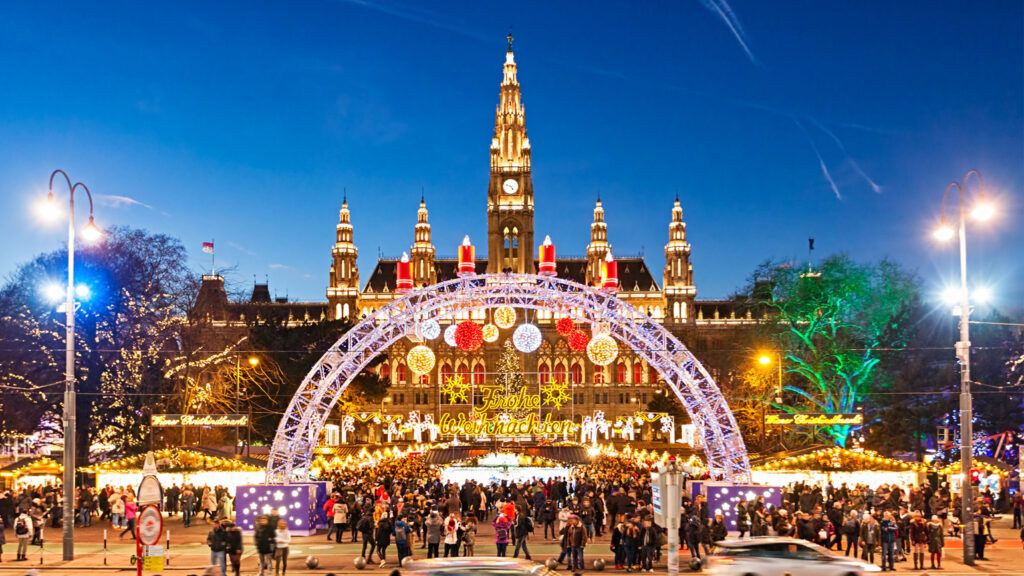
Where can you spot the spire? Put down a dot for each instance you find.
(422, 250)
(598, 247)
(510, 147)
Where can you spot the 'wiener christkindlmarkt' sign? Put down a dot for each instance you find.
(226, 420)
(814, 419)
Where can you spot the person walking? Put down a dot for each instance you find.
(576, 535)
(869, 537)
(233, 545)
(117, 510)
(340, 515)
(282, 539)
(130, 510)
(851, 530)
(918, 534)
(263, 537)
(451, 535)
(889, 530)
(936, 541)
(188, 505)
(383, 538)
(469, 531)
(216, 539)
(523, 527)
(502, 528)
(23, 529)
(434, 526)
(402, 531)
(366, 527)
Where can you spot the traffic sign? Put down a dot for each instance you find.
(151, 525)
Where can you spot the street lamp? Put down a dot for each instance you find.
(90, 233)
(766, 359)
(253, 362)
(982, 210)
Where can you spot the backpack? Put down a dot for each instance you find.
(20, 528)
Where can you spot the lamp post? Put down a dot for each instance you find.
(90, 232)
(253, 362)
(765, 360)
(945, 231)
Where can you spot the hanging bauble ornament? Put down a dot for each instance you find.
(565, 326)
(578, 340)
(602, 350)
(526, 338)
(429, 330)
(504, 317)
(420, 359)
(490, 332)
(449, 335)
(468, 335)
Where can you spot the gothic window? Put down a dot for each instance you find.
(560, 373)
(638, 372)
(652, 375)
(599, 375)
(337, 312)
(478, 374)
(402, 373)
(620, 373)
(543, 373)
(385, 372)
(345, 310)
(464, 371)
(676, 311)
(576, 374)
(446, 372)
(424, 379)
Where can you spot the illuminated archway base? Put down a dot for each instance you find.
(303, 422)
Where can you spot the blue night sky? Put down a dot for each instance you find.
(773, 121)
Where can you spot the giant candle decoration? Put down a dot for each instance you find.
(467, 258)
(547, 258)
(609, 273)
(403, 274)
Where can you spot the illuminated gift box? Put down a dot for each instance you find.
(300, 504)
(723, 498)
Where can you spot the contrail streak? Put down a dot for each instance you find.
(727, 16)
(821, 161)
(856, 165)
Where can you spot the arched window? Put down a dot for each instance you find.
(638, 372)
(478, 374)
(344, 310)
(598, 374)
(620, 372)
(402, 374)
(560, 373)
(337, 311)
(424, 379)
(464, 372)
(385, 371)
(677, 312)
(652, 375)
(576, 374)
(543, 373)
(446, 372)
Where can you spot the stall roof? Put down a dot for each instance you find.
(838, 458)
(173, 459)
(37, 465)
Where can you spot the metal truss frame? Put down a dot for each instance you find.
(301, 426)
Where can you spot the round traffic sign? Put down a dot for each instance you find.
(151, 524)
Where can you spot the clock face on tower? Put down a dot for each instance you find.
(510, 186)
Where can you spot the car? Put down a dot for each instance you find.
(475, 565)
(779, 556)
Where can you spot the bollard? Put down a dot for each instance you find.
(167, 547)
(42, 541)
(104, 546)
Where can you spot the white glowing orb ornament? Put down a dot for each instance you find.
(429, 330)
(602, 350)
(490, 333)
(504, 317)
(526, 338)
(420, 359)
(449, 335)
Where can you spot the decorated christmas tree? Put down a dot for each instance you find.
(510, 377)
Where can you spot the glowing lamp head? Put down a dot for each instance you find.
(82, 292)
(91, 232)
(46, 210)
(982, 295)
(547, 240)
(951, 295)
(944, 233)
(53, 292)
(764, 360)
(983, 210)
(405, 257)
(254, 361)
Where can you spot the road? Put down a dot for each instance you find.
(188, 554)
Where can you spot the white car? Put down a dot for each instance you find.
(776, 556)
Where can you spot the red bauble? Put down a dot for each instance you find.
(469, 335)
(578, 340)
(565, 326)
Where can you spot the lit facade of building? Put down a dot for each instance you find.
(623, 388)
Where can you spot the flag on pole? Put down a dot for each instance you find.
(208, 247)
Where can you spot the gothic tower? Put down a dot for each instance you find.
(510, 192)
(680, 291)
(343, 289)
(598, 247)
(422, 252)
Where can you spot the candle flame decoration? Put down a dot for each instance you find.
(403, 274)
(467, 258)
(546, 258)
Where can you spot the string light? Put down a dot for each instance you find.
(430, 330)
(504, 317)
(420, 359)
(526, 338)
(469, 335)
(578, 340)
(490, 332)
(449, 335)
(602, 350)
(565, 326)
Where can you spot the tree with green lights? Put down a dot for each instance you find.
(830, 322)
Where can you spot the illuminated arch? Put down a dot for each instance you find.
(301, 426)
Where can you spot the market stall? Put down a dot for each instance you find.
(837, 466)
(34, 471)
(198, 467)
